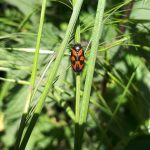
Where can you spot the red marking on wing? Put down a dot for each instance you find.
(80, 53)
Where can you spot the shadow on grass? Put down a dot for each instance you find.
(78, 140)
(28, 132)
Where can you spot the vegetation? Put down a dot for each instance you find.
(45, 105)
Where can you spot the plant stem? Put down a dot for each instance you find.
(33, 76)
(77, 110)
(91, 63)
(77, 104)
(92, 58)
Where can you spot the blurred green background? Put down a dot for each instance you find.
(121, 77)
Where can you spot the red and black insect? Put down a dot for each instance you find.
(77, 58)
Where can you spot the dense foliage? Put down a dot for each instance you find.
(119, 109)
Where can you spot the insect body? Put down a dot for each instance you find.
(77, 58)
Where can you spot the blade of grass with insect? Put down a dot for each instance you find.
(52, 73)
(97, 30)
(77, 40)
(77, 103)
(33, 76)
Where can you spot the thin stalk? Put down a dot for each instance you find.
(102, 108)
(22, 82)
(77, 40)
(52, 73)
(33, 76)
(92, 58)
(77, 104)
(103, 102)
(26, 19)
(34, 69)
(77, 112)
(4, 90)
(91, 63)
(77, 33)
(77, 108)
(123, 94)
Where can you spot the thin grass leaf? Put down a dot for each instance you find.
(33, 76)
(126, 90)
(92, 58)
(102, 108)
(90, 68)
(66, 3)
(15, 81)
(26, 19)
(78, 82)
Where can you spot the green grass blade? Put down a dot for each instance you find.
(26, 19)
(22, 82)
(33, 76)
(77, 107)
(124, 93)
(77, 111)
(91, 63)
(78, 82)
(102, 108)
(34, 69)
(92, 58)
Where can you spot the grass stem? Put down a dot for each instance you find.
(97, 30)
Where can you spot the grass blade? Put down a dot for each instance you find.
(91, 63)
(33, 76)
(78, 82)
